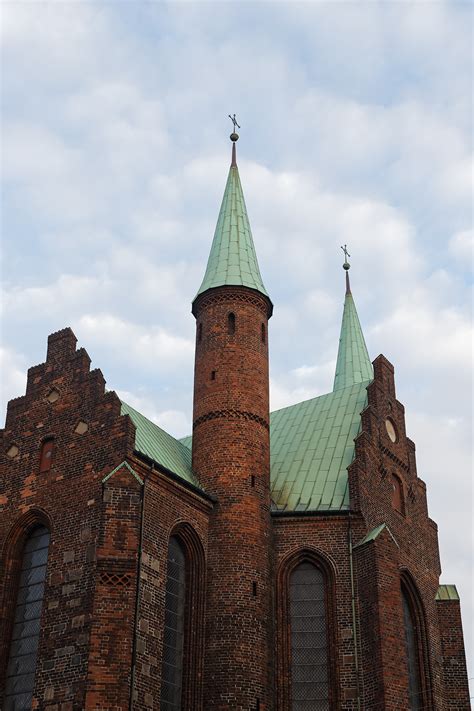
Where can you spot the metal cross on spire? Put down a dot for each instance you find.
(234, 121)
(346, 266)
(346, 253)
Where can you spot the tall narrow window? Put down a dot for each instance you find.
(231, 323)
(173, 643)
(20, 678)
(397, 495)
(46, 456)
(264, 333)
(200, 333)
(413, 651)
(309, 645)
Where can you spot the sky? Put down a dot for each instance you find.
(356, 127)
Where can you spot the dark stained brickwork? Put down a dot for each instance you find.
(101, 643)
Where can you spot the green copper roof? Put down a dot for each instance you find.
(311, 446)
(161, 447)
(232, 260)
(447, 592)
(353, 362)
(375, 533)
(372, 535)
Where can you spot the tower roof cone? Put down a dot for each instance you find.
(353, 362)
(232, 260)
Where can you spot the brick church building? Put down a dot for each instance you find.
(278, 561)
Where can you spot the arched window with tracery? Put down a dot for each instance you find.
(173, 639)
(182, 661)
(21, 667)
(415, 647)
(306, 669)
(309, 646)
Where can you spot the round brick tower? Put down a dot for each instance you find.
(231, 456)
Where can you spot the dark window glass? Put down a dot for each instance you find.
(20, 679)
(411, 641)
(231, 323)
(173, 643)
(46, 457)
(264, 335)
(309, 648)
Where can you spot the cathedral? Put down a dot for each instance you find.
(279, 561)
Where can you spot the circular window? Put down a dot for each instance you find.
(391, 431)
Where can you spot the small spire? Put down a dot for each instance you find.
(353, 362)
(234, 137)
(232, 259)
(346, 266)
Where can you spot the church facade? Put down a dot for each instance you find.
(277, 561)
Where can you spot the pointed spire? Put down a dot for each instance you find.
(232, 260)
(353, 362)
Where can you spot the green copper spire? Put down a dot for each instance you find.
(232, 260)
(353, 362)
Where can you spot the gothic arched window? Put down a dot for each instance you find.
(174, 631)
(416, 647)
(20, 676)
(309, 639)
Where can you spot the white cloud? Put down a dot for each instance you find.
(152, 348)
(173, 421)
(461, 246)
(434, 338)
(13, 381)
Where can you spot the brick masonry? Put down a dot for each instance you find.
(231, 455)
(101, 640)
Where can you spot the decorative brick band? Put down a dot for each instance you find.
(116, 580)
(232, 295)
(395, 459)
(232, 415)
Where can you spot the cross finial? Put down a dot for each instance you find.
(234, 121)
(234, 137)
(346, 266)
(346, 253)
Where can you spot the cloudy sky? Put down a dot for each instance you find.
(356, 128)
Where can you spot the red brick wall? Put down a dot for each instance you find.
(230, 446)
(89, 619)
(113, 610)
(370, 479)
(456, 687)
(384, 670)
(170, 509)
(103, 612)
(68, 499)
(327, 539)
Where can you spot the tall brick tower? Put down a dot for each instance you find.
(231, 456)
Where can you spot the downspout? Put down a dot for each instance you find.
(137, 597)
(354, 617)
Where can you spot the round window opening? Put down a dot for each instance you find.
(391, 431)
